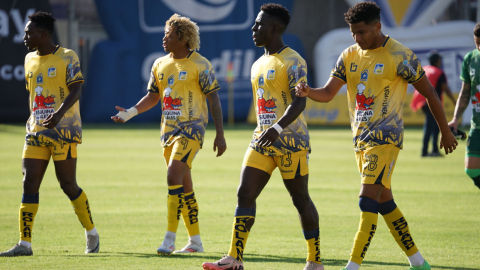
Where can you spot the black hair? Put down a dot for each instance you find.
(277, 11)
(366, 12)
(43, 20)
(476, 30)
(433, 57)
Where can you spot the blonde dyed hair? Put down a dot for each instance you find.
(187, 30)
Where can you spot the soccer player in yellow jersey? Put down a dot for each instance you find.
(185, 79)
(377, 70)
(280, 140)
(54, 129)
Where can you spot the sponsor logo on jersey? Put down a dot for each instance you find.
(364, 75)
(265, 108)
(30, 74)
(40, 78)
(476, 100)
(42, 106)
(378, 69)
(52, 72)
(160, 76)
(472, 72)
(363, 112)
(182, 76)
(295, 72)
(171, 106)
(407, 64)
(353, 67)
(271, 74)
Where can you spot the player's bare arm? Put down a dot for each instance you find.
(217, 115)
(75, 92)
(322, 94)
(447, 140)
(146, 103)
(462, 103)
(270, 135)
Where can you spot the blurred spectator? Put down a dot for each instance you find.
(437, 78)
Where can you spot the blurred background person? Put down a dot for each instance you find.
(437, 78)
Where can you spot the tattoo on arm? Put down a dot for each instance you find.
(463, 100)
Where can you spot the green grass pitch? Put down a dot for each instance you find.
(121, 169)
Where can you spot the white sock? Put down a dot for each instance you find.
(195, 239)
(25, 243)
(91, 232)
(416, 259)
(169, 238)
(352, 266)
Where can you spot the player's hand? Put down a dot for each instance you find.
(124, 115)
(219, 143)
(302, 90)
(52, 120)
(453, 124)
(448, 142)
(268, 137)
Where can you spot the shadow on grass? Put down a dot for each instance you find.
(214, 256)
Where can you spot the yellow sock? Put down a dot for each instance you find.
(399, 229)
(175, 205)
(240, 232)
(27, 212)
(313, 245)
(82, 209)
(366, 229)
(190, 214)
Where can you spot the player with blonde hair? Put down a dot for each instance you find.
(186, 79)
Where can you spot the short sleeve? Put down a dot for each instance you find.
(408, 66)
(465, 73)
(74, 74)
(153, 83)
(206, 78)
(339, 70)
(296, 72)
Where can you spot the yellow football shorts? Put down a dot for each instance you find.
(291, 165)
(58, 151)
(376, 164)
(183, 150)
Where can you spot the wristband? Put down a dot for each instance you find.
(278, 128)
(127, 114)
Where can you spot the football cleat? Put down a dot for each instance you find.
(166, 249)
(17, 250)
(93, 243)
(424, 266)
(227, 262)
(190, 248)
(313, 266)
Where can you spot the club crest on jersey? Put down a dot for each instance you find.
(378, 69)
(52, 72)
(171, 106)
(42, 105)
(364, 75)
(363, 112)
(40, 78)
(182, 76)
(171, 80)
(265, 108)
(261, 81)
(271, 74)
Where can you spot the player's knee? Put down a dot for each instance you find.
(368, 205)
(31, 184)
(387, 207)
(70, 188)
(475, 175)
(300, 201)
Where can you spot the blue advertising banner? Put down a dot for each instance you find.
(120, 67)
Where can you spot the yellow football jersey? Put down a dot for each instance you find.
(184, 84)
(377, 84)
(273, 78)
(47, 79)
